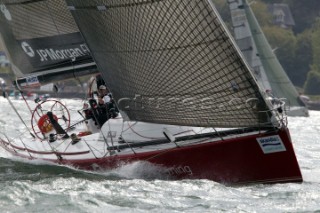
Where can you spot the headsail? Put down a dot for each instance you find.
(43, 42)
(171, 62)
(280, 83)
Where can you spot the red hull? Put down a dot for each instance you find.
(232, 161)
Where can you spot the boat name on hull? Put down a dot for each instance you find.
(180, 170)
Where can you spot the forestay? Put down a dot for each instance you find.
(43, 41)
(171, 62)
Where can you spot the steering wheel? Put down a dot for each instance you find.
(40, 121)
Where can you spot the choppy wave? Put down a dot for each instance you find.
(36, 186)
(35, 170)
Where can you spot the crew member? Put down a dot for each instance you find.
(105, 99)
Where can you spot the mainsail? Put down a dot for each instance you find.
(172, 62)
(280, 83)
(43, 42)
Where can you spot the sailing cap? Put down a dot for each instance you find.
(102, 87)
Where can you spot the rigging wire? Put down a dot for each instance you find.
(16, 111)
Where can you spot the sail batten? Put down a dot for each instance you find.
(171, 62)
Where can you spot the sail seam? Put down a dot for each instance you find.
(171, 48)
(26, 2)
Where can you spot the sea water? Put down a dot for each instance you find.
(43, 187)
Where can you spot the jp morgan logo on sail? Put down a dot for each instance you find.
(51, 54)
(27, 49)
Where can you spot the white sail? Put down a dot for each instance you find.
(243, 37)
(262, 58)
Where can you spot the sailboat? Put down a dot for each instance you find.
(43, 54)
(262, 59)
(187, 100)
